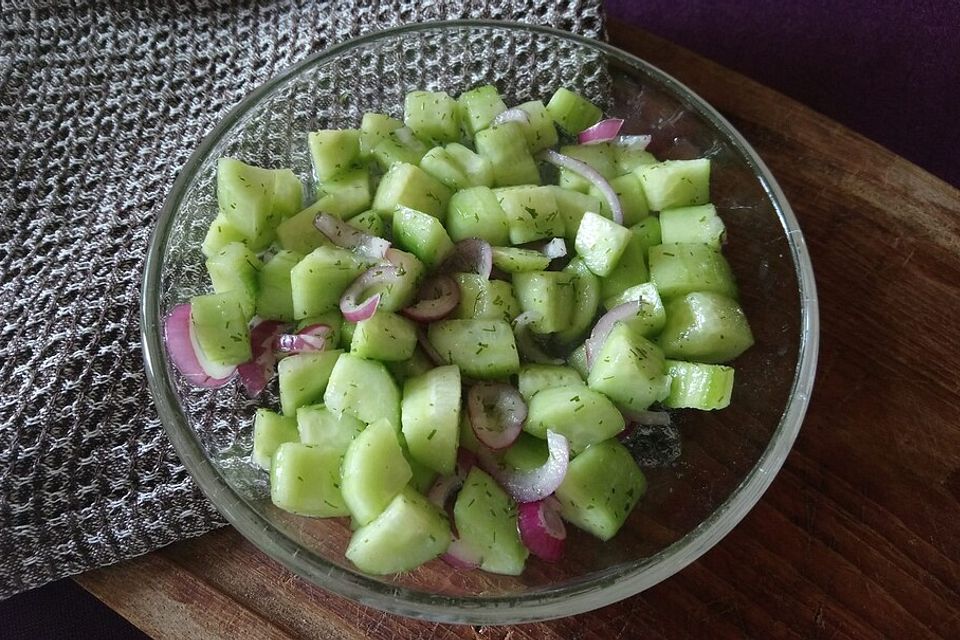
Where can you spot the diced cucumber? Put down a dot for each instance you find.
(705, 327)
(602, 486)
(548, 295)
(539, 130)
(572, 205)
(220, 234)
(578, 361)
(482, 348)
(599, 156)
(433, 116)
(485, 299)
(363, 389)
(630, 370)
(333, 151)
(571, 112)
(650, 317)
(430, 415)
(457, 167)
(346, 194)
(234, 268)
(401, 293)
(678, 269)
(478, 107)
(527, 452)
(648, 232)
(319, 426)
(218, 323)
(675, 183)
(400, 146)
(320, 278)
(374, 471)
(422, 477)
(422, 235)
(305, 479)
(374, 129)
(586, 300)
(303, 378)
(415, 365)
(298, 232)
(486, 520)
(407, 185)
(408, 533)
(582, 415)
(536, 377)
(692, 224)
(516, 260)
(601, 242)
(629, 157)
(698, 386)
(346, 333)
(370, 222)
(384, 336)
(270, 430)
(630, 193)
(476, 213)
(631, 269)
(254, 200)
(505, 146)
(532, 213)
(274, 294)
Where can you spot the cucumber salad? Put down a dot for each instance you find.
(477, 306)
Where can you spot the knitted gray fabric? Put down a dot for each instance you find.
(100, 104)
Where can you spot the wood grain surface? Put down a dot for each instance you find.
(859, 535)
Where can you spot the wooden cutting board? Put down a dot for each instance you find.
(859, 535)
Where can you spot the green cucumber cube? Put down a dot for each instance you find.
(675, 183)
(630, 370)
(650, 317)
(582, 415)
(483, 349)
(548, 295)
(478, 107)
(220, 234)
(578, 361)
(374, 471)
(433, 116)
(599, 156)
(354, 382)
(602, 486)
(430, 415)
(401, 293)
(476, 213)
(532, 213)
(516, 260)
(346, 194)
(457, 167)
(629, 157)
(572, 205)
(384, 336)
(274, 293)
(319, 426)
(485, 299)
(678, 269)
(423, 476)
(705, 327)
(630, 193)
(298, 232)
(270, 430)
(586, 300)
(374, 129)
(571, 112)
(303, 378)
(539, 130)
(409, 532)
(320, 278)
(400, 146)
(305, 479)
(698, 386)
(416, 365)
(234, 268)
(254, 200)
(486, 520)
(505, 146)
(333, 151)
(346, 333)
(218, 323)
(369, 222)
(537, 377)
(631, 269)
(692, 224)
(648, 230)
(407, 185)
(601, 242)
(422, 235)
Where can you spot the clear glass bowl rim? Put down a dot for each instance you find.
(583, 594)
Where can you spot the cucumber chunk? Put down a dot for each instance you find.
(572, 205)
(505, 146)
(457, 167)
(274, 293)
(602, 486)
(399, 147)
(582, 415)
(486, 520)
(333, 151)
(430, 415)
(298, 233)
(408, 185)
(234, 268)
(384, 336)
(539, 129)
(416, 365)
(317, 425)
(422, 235)
(220, 234)
(303, 378)
(516, 260)
(363, 389)
(270, 430)
(483, 349)
(698, 386)
(630, 370)
(408, 533)
(571, 112)
(346, 194)
(485, 299)
(332, 319)
(476, 213)
(537, 377)
(374, 471)
(678, 269)
(631, 269)
(320, 278)
(598, 156)
(692, 224)
(478, 107)
(629, 157)
(305, 479)
(374, 129)
(601, 242)
(254, 200)
(218, 323)
(650, 317)
(401, 293)
(578, 361)
(675, 183)
(370, 222)
(586, 300)
(433, 116)
(705, 327)
(632, 200)
(548, 295)
(532, 213)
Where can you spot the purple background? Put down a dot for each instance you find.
(889, 70)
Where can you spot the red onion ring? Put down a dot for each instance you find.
(603, 131)
(428, 349)
(527, 344)
(535, 484)
(590, 174)
(509, 411)
(515, 114)
(343, 235)
(541, 528)
(437, 298)
(177, 338)
(352, 307)
(605, 325)
(256, 373)
(471, 255)
(443, 488)
(307, 340)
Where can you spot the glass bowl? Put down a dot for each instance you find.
(728, 458)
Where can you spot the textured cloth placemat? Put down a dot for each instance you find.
(100, 105)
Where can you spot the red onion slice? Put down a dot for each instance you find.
(647, 418)
(541, 528)
(180, 347)
(307, 340)
(512, 115)
(527, 344)
(460, 556)
(429, 349)
(348, 237)
(603, 131)
(497, 412)
(535, 484)
(256, 373)
(590, 174)
(353, 305)
(605, 325)
(471, 255)
(443, 488)
(437, 298)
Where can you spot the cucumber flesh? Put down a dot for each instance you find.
(582, 415)
(537, 377)
(354, 382)
(270, 430)
(586, 300)
(384, 336)
(675, 183)
(486, 520)
(630, 370)
(692, 224)
(430, 416)
(572, 112)
(705, 327)
(476, 213)
(218, 322)
(698, 386)
(305, 479)
(482, 348)
(374, 471)
(600, 243)
(303, 378)
(319, 426)
(678, 269)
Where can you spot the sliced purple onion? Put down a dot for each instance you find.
(429, 349)
(256, 373)
(590, 174)
(442, 489)
(541, 528)
(471, 255)
(647, 418)
(535, 484)
(526, 343)
(605, 325)
(437, 298)
(603, 131)
(497, 413)
(307, 340)
(355, 304)
(348, 237)
(460, 556)
(180, 346)
(512, 115)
